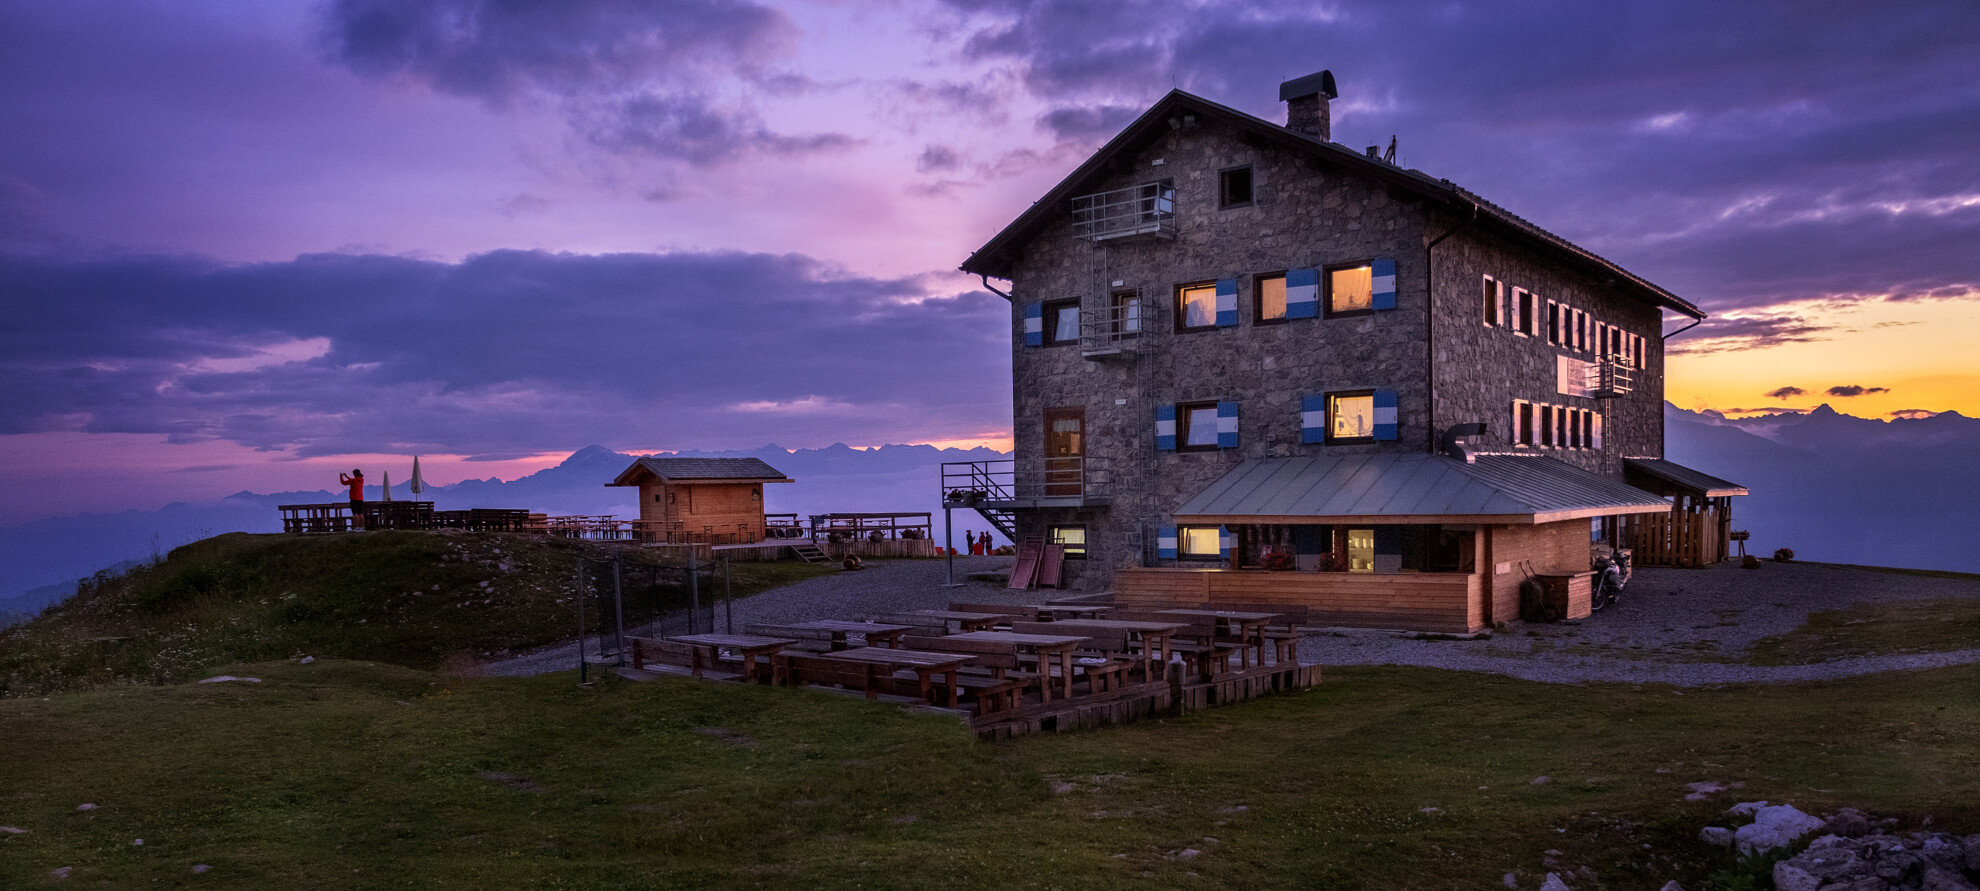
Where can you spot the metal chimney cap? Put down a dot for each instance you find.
(1299, 87)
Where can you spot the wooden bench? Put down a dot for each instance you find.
(651, 650)
(998, 676)
(1111, 644)
(1284, 633)
(809, 640)
(1014, 610)
(1202, 650)
(802, 669)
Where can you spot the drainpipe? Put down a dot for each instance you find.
(987, 286)
(1430, 325)
(1694, 323)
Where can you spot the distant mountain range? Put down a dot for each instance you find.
(40, 560)
(1843, 489)
(1833, 487)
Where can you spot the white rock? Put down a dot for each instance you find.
(1793, 878)
(1745, 808)
(1554, 883)
(1510, 880)
(1189, 854)
(85, 807)
(1774, 827)
(60, 872)
(1540, 781)
(221, 679)
(1716, 835)
(308, 659)
(201, 867)
(137, 843)
(1940, 879)
(12, 830)
(1671, 885)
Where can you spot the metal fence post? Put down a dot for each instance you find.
(619, 605)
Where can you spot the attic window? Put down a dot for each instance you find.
(1234, 187)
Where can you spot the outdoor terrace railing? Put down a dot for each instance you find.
(1609, 378)
(1146, 209)
(969, 483)
(1115, 329)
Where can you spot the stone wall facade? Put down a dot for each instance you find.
(1304, 214)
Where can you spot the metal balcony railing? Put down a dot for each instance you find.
(1115, 329)
(1146, 209)
(1609, 378)
(973, 483)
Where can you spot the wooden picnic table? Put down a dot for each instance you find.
(967, 621)
(1155, 637)
(876, 634)
(925, 665)
(1045, 646)
(1250, 627)
(749, 646)
(1061, 611)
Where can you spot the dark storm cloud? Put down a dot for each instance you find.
(1785, 393)
(630, 76)
(1723, 335)
(1741, 155)
(505, 353)
(1094, 124)
(1855, 390)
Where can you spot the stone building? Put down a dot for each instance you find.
(1241, 347)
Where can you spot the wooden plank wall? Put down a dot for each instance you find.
(1546, 549)
(1693, 534)
(1448, 602)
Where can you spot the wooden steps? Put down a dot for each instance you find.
(809, 553)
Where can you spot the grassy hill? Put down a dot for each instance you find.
(414, 599)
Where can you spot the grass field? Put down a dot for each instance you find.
(343, 774)
(417, 599)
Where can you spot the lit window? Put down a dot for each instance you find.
(1199, 543)
(1351, 416)
(1196, 306)
(1271, 297)
(1062, 322)
(1350, 289)
(1072, 538)
(1234, 187)
(1199, 425)
(1361, 550)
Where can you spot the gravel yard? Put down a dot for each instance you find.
(1672, 626)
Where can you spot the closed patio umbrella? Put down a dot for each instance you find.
(418, 485)
(386, 495)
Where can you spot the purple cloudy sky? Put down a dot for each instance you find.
(244, 242)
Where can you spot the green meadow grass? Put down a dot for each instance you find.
(417, 599)
(360, 775)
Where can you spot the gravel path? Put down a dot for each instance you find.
(883, 587)
(1664, 624)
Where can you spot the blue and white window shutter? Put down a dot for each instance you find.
(1226, 302)
(1165, 543)
(1226, 541)
(1165, 428)
(1302, 294)
(1385, 415)
(1383, 283)
(1227, 428)
(1034, 324)
(1313, 418)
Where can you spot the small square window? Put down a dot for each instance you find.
(1234, 187)
(1062, 322)
(1199, 543)
(1350, 289)
(1072, 538)
(1351, 417)
(1197, 425)
(1271, 294)
(1126, 318)
(1196, 306)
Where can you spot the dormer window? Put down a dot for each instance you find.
(1234, 187)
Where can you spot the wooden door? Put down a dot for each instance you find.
(1065, 451)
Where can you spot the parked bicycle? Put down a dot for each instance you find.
(1612, 572)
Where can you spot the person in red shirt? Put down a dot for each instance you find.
(355, 480)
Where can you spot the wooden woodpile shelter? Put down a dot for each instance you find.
(1697, 531)
(1010, 671)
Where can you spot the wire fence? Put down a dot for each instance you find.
(622, 596)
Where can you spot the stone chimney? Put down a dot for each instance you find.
(1306, 104)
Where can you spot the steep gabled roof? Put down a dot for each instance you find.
(679, 470)
(996, 257)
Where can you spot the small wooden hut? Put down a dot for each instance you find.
(1698, 529)
(700, 500)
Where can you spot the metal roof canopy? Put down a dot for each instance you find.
(700, 470)
(1395, 488)
(1678, 476)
